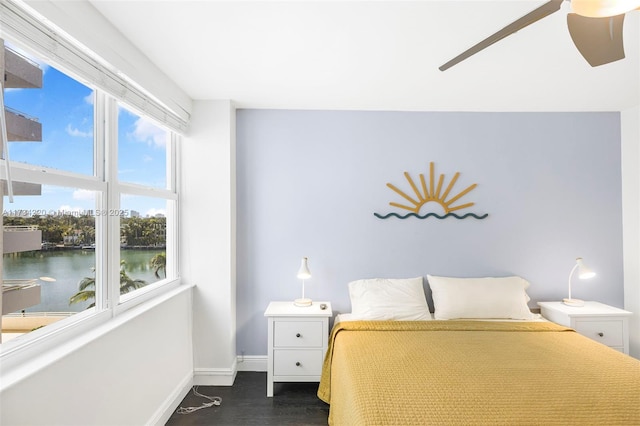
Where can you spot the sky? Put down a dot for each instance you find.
(65, 108)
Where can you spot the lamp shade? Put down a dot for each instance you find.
(303, 272)
(584, 272)
(603, 8)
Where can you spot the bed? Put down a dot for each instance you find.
(511, 371)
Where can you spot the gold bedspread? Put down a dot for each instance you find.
(475, 372)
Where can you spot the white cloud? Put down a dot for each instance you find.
(147, 131)
(89, 98)
(78, 133)
(83, 194)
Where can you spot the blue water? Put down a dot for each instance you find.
(68, 267)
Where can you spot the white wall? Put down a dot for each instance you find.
(309, 183)
(133, 371)
(207, 218)
(631, 221)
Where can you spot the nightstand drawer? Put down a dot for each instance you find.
(298, 334)
(608, 332)
(296, 362)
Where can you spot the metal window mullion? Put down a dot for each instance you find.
(169, 161)
(146, 191)
(172, 236)
(112, 199)
(4, 137)
(99, 148)
(44, 176)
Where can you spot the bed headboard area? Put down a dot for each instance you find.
(309, 183)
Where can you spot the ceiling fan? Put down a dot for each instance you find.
(595, 27)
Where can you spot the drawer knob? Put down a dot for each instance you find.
(298, 364)
(297, 334)
(601, 334)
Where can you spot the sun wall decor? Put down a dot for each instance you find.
(425, 196)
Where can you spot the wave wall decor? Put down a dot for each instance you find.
(434, 192)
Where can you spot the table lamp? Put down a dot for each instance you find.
(303, 274)
(583, 273)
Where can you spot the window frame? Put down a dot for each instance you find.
(110, 305)
(126, 301)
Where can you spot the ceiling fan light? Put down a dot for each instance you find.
(603, 8)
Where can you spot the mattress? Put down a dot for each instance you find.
(471, 372)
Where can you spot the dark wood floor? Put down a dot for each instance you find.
(246, 403)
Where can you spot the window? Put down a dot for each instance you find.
(93, 209)
(59, 261)
(142, 150)
(61, 112)
(147, 196)
(143, 242)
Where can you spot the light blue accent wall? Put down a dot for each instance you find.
(308, 183)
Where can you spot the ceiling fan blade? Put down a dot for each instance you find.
(599, 40)
(528, 19)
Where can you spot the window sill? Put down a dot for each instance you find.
(19, 361)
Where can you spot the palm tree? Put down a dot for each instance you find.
(127, 283)
(159, 263)
(87, 286)
(86, 290)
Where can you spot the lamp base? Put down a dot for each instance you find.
(573, 302)
(302, 302)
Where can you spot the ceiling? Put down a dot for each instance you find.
(373, 55)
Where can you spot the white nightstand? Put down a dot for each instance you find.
(298, 339)
(597, 321)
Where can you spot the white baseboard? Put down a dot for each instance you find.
(226, 376)
(206, 377)
(167, 408)
(252, 363)
(215, 376)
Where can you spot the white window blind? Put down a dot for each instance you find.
(56, 47)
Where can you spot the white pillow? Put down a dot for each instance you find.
(388, 299)
(480, 298)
